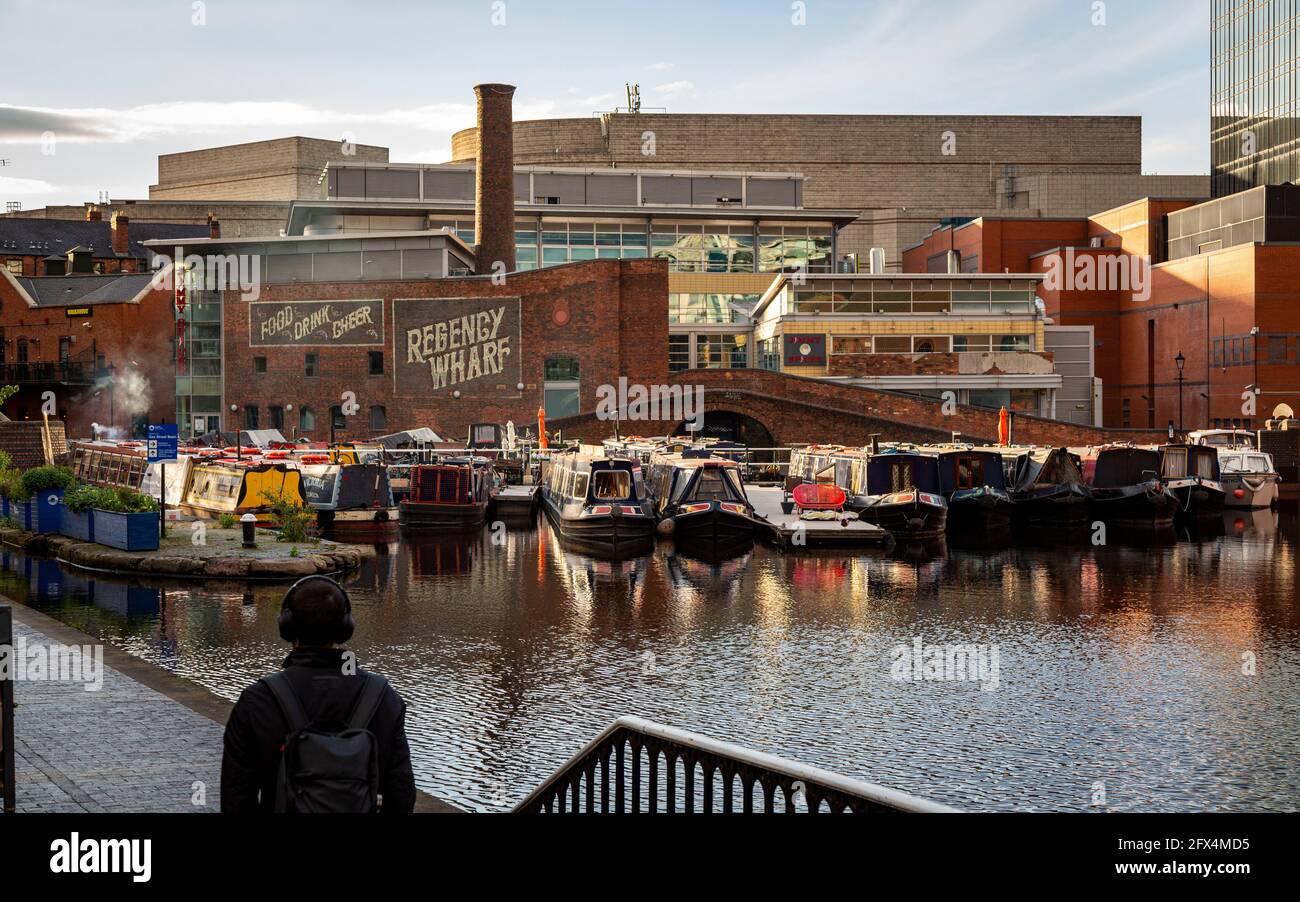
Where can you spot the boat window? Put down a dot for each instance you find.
(900, 476)
(711, 486)
(612, 485)
(1257, 463)
(580, 486)
(1230, 462)
(1205, 466)
(970, 472)
(1174, 464)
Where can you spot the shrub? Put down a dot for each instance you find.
(292, 514)
(227, 521)
(11, 485)
(43, 479)
(118, 500)
(9, 523)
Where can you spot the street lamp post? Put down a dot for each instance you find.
(1179, 361)
(239, 449)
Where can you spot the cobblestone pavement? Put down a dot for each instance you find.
(123, 748)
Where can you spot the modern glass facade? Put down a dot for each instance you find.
(1254, 94)
(697, 308)
(687, 246)
(199, 377)
(891, 297)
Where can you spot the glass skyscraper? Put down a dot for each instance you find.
(1254, 94)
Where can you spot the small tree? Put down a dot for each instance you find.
(292, 514)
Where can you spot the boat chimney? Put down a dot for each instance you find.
(875, 443)
(494, 179)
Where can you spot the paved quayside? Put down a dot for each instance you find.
(147, 741)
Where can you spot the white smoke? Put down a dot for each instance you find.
(100, 431)
(133, 392)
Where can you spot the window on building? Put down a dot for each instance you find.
(311, 364)
(376, 359)
(679, 353)
(378, 418)
(769, 354)
(275, 414)
(306, 419)
(893, 344)
(560, 387)
(557, 368)
(22, 350)
(65, 348)
(252, 417)
(721, 351)
(259, 364)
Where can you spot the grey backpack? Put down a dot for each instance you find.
(323, 770)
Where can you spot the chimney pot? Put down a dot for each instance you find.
(494, 178)
(93, 213)
(121, 242)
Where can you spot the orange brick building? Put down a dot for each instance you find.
(1216, 284)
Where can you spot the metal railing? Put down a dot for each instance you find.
(637, 766)
(8, 774)
(46, 373)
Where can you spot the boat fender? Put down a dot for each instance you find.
(916, 523)
(615, 511)
(666, 526)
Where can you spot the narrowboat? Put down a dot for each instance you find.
(223, 486)
(1047, 487)
(352, 501)
(451, 495)
(1126, 487)
(974, 484)
(1191, 472)
(901, 493)
(1250, 480)
(597, 500)
(698, 497)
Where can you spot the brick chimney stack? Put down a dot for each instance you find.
(93, 213)
(214, 226)
(121, 243)
(494, 178)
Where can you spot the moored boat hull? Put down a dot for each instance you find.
(1053, 506)
(980, 511)
(1140, 505)
(445, 517)
(367, 525)
(1197, 499)
(715, 526)
(908, 516)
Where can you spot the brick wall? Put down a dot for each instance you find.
(795, 410)
(610, 314)
(133, 338)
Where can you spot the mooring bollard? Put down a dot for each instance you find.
(249, 523)
(7, 771)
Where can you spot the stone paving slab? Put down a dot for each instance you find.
(138, 744)
(124, 748)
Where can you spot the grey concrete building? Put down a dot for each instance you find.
(903, 174)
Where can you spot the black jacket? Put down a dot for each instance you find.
(256, 731)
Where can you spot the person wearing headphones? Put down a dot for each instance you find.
(321, 735)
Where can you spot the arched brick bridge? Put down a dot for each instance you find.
(797, 409)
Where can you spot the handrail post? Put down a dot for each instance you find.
(8, 773)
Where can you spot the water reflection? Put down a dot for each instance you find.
(1120, 661)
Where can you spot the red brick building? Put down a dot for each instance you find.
(97, 342)
(45, 247)
(1217, 284)
(582, 325)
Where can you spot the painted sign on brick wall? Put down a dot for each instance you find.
(337, 324)
(470, 345)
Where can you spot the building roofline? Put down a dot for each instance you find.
(333, 236)
(466, 166)
(781, 278)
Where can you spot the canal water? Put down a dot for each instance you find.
(1152, 676)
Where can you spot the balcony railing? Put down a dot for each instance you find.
(637, 766)
(46, 373)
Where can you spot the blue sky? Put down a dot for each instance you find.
(119, 83)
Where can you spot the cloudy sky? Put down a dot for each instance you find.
(116, 84)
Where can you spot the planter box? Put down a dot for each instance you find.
(44, 511)
(129, 532)
(78, 525)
